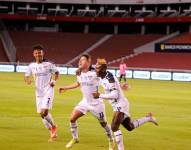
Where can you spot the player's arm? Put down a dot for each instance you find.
(113, 94)
(56, 77)
(27, 79)
(69, 87)
(27, 76)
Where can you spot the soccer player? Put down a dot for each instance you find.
(89, 82)
(122, 68)
(122, 73)
(42, 72)
(119, 103)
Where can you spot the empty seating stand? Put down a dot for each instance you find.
(179, 61)
(59, 47)
(183, 38)
(121, 45)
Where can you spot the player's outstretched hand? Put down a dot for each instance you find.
(62, 90)
(52, 83)
(96, 94)
(28, 82)
(124, 86)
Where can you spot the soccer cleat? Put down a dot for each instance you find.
(111, 145)
(53, 134)
(152, 119)
(71, 143)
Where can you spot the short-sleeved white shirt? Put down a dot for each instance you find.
(89, 83)
(113, 86)
(42, 74)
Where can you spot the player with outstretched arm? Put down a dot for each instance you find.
(88, 81)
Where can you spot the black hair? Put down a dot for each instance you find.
(104, 66)
(38, 47)
(87, 56)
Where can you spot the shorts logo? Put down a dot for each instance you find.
(48, 102)
(101, 116)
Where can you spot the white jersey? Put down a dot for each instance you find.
(42, 74)
(89, 83)
(109, 84)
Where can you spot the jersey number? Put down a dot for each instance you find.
(101, 115)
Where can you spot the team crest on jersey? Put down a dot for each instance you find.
(90, 77)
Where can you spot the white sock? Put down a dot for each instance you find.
(137, 123)
(49, 119)
(46, 124)
(119, 140)
(108, 132)
(74, 130)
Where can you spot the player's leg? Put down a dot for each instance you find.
(78, 112)
(46, 105)
(39, 101)
(116, 121)
(130, 125)
(124, 78)
(108, 132)
(47, 102)
(47, 116)
(73, 122)
(99, 112)
(120, 77)
(49, 123)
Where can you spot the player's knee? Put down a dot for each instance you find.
(72, 120)
(128, 124)
(114, 128)
(130, 128)
(44, 114)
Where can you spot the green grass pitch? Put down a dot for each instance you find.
(21, 127)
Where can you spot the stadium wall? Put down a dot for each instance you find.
(106, 1)
(132, 73)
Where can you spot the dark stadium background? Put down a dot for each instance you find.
(150, 36)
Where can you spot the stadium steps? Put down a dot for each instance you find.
(88, 50)
(150, 47)
(181, 38)
(60, 47)
(176, 61)
(7, 43)
(3, 55)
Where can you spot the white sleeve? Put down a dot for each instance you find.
(28, 71)
(113, 94)
(78, 79)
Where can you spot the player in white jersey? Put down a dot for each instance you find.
(42, 72)
(89, 82)
(120, 104)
